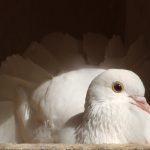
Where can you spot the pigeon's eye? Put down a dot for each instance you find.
(117, 87)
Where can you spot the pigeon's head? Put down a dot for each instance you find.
(117, 86)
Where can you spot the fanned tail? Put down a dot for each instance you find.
(25, 69)
(9, 86)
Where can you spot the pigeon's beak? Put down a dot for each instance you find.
(141, 102)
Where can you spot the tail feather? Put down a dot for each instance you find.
(24, 69)
(65, 49)
(19, 77)
(94, 47)
(114, 54)
(41, 56)
(138, 54)
(31, 129)
(9, 86)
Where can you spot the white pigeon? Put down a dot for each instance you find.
(116, 111)
(42, 103)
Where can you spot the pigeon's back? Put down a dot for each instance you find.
(66, 94)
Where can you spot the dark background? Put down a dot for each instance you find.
(23, 21)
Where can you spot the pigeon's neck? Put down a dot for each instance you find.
(104, 123)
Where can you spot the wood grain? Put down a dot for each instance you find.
(73, 147)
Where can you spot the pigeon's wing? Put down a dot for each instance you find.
(137, 128)
(66, 94)
(144, 73)
(144, 118)
(51, 110)
(8, 130)
(41, 56)
(144, 121)
(9, 86)
(30, 107)
(147, 131)
(67, 133)
(33, 127)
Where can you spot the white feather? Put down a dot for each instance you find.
(53, 105)
(41, 56)
(94, 47)
(65, 49)
(42, 103)
(114, 54)
(25, 69)
(110, 117)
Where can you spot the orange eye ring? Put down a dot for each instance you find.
(117, 87)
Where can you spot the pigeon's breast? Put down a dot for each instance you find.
(112, 124)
